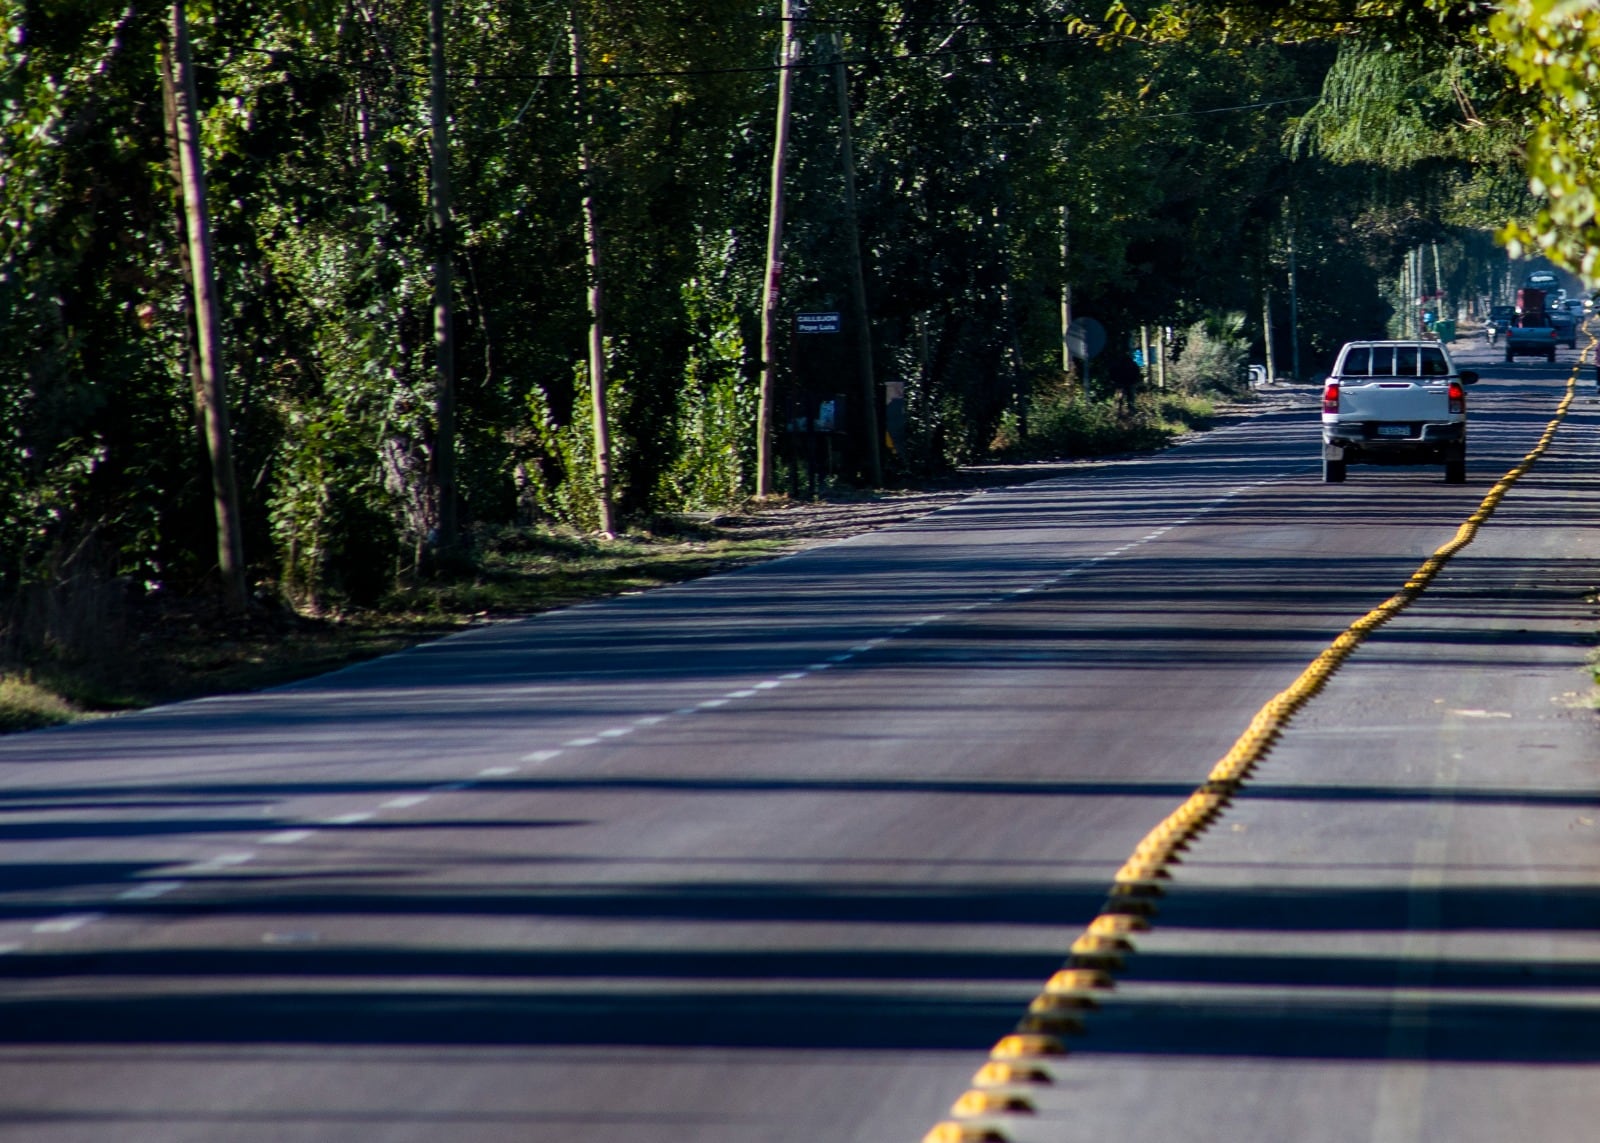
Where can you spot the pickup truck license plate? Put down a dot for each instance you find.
(1394, 430)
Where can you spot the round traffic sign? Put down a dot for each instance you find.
(1085, 338)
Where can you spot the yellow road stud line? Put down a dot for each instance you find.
(1114, 924)
(975, 1103)
(1128, 905)
(949, 1132)
(1068, 1003)
(1050, 1023)
(1101, 942)
(1022, 1046)
(1057, 1011)
(998, 1074)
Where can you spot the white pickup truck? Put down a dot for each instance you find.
(1395, 402)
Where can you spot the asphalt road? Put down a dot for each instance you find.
(779, 855)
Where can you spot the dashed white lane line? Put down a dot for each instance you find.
(287, 837)
(151, 890)
(10, 947)
(350, 819)
(223, 861)
(67, 924)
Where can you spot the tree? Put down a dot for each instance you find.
(211, 394)
(1553, 48)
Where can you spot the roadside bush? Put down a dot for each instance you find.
(1213, 355)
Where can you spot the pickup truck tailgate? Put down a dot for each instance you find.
(1393, 399)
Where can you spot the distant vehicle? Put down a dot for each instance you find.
(1531, 335)
(1395, 402)
(1500, 317)
(1577, 307)
(1530, 299)
(1566, 327)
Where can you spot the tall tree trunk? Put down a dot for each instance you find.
(444, 440)
(769, 285)
(210, 389)
(597, 328)
(858, 277)
(191, 349)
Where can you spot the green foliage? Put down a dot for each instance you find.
(715, 462)
(1553, 47)
(1161, 134)
(25, 705)
(1063, 422)
(562, 478)
(1394, 108)
(1212, 356)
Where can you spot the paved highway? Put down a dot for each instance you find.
(781, 855)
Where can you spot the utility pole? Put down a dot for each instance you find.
(1066, 295)
(1294, 306)
(1266, 331)
(210, 387)
(774, 271)
(858, 279)
(1438, 283)
(444, 341)
(597, 331)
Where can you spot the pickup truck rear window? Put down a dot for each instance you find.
(1394, 361)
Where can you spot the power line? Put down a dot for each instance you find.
(1220, 110)
(667, 73)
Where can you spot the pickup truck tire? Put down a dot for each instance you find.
(1455, 466)
(1508, 353)
(1332, 471)
(1551, 356)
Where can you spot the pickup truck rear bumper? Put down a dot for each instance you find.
(1397, 441)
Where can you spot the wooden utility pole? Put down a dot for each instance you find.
(444, 444)
(597, 328)
(1294, 308)
(1266, 331)
(774, 271)
(858, 279)
(211, 396)
(1066, 295)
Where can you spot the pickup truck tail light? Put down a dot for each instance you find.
(1330, 398)
(1458, 398)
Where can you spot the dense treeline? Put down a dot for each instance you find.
(1003, 150)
